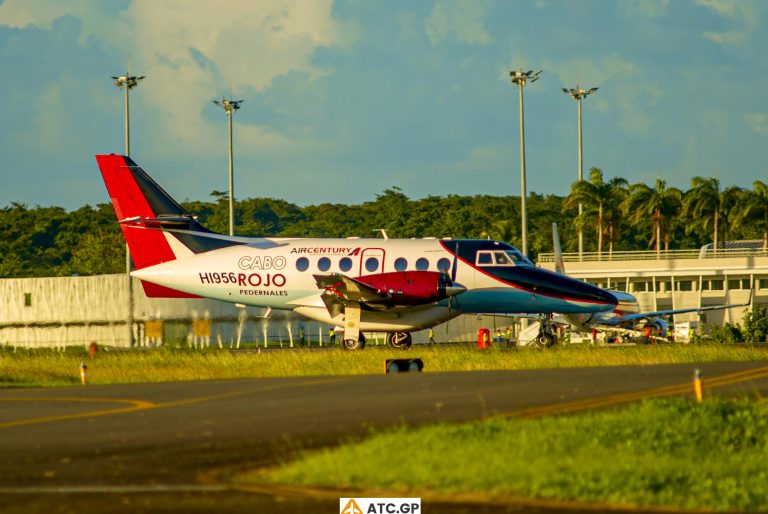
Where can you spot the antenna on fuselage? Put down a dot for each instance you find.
(383, 232)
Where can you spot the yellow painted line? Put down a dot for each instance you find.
(592, 403)
(139, 405)
(133, 406)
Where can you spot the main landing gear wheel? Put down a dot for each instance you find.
(399, 340)
(351, 344)
(545, 340)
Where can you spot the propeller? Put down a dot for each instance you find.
(454, 266)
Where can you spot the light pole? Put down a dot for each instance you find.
(128, 82)
(520, 78)
(577, 94)
(230, 106)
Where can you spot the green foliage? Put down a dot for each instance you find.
(48, 241)
(755, 325)
(726, 333)
(671, 453)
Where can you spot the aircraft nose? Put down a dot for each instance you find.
(608, 297)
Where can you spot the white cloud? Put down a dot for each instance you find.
(25, 13)
(740, 12)
(630, 95)
(649, 8)
(758, 122)
(459, 19)
(193, 51)
(592, 72)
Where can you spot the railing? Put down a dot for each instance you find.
(651, 255)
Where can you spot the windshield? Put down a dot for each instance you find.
(502, 258)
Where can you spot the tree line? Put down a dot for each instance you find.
(50, 241)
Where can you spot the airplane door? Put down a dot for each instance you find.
(372, 261)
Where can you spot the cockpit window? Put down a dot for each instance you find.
(484, 259)
(518, 258)
(502, 258)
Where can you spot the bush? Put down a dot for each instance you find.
(755, 325)
(726, 333)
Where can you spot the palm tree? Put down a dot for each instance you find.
(501, 230)
(660, 203)
(613, 215)
(709, 208)
(754, 208)
(597, 196)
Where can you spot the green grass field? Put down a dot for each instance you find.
(670, 452)
(46, 367)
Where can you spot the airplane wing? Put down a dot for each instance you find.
(348, 289)
(346, 295)
(631, 318)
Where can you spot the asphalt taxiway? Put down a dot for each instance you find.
(170, 447)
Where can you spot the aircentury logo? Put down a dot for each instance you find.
(380, 505)
(342, 250)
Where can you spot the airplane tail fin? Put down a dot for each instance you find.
(156, 228)
(559, 263)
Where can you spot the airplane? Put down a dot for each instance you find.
(626, 316)
(394, 286)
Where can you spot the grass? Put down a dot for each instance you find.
(47, 367)
(668, 452)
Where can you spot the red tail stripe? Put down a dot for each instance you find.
(148, 247)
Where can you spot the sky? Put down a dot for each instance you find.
(344, 99)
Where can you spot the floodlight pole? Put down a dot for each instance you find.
(519, 78)
(128, 82)
(230, 106)
(577, 94)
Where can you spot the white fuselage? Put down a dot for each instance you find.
(279, 273)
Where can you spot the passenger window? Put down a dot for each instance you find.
(484, 259)
(443, 265)
(401, 264)
(324, 264)
(302, 263)
(422, 264)
(345, 264)
(371, 264)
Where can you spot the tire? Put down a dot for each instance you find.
(545, 340)
(351, 344)
(399, 340)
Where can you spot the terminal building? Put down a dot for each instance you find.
(75, 311)
(735, 273)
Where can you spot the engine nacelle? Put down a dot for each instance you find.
(412, 287)
(659, 326)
